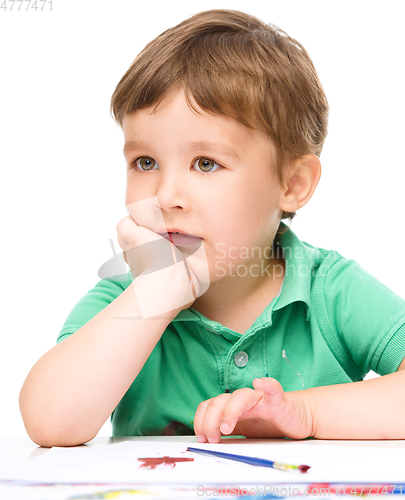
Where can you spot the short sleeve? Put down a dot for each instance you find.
(367, 317)
(95, 300)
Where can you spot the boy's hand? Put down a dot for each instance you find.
(266, 411)
(164, 280)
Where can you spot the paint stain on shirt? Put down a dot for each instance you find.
(298, 373)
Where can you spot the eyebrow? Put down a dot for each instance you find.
(217, 147)
(133, 145)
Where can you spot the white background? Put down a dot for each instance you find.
(63, 174)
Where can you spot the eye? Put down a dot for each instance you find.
(145, 163)
(206, 165)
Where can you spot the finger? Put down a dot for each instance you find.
(240, 401)
(212, 418)
(136, 235)
(198, 419)
(126, 227)
(192, 279)
(122, 243)
(198, 265)
(273, 390)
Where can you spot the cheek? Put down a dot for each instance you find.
(135, 191)
(128, 197)
(130, 193)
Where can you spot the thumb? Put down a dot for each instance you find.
(273, 390)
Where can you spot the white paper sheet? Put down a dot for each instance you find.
(119, 463)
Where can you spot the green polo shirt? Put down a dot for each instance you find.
(332, 323)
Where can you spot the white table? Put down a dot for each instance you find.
(14, 451)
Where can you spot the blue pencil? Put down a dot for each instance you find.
(251, 460)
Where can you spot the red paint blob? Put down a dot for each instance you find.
(152, 463)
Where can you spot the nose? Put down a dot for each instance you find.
(172, 190)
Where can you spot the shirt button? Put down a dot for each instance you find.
(241, 359)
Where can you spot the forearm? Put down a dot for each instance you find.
(371, 409)
(71, 391)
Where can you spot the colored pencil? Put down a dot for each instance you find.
(251, 460)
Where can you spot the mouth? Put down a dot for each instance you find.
(164, 232)
(181, 239)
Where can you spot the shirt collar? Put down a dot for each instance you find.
(300, 260)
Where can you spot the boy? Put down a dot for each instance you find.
(236, 327)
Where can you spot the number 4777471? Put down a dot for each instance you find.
(26, 5)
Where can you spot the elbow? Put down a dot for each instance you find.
(49, 436)
(49, 431)
(48, 440)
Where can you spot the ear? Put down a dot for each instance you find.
(302, 177)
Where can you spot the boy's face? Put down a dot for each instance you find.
(233, 209)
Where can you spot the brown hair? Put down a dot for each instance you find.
(231, 63)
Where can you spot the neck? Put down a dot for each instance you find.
(235, 292)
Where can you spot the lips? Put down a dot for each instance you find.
(183, 241)
(176, 231)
